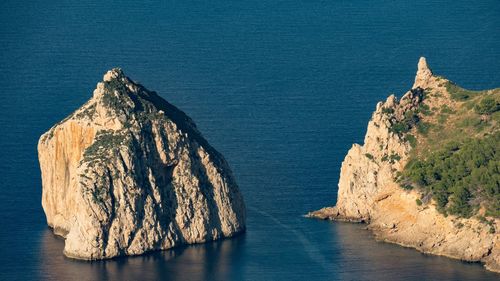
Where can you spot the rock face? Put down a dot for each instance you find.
(368, 191)
(129, 173)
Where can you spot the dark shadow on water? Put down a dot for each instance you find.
(209, 261)
(363, 258)
(348, 251)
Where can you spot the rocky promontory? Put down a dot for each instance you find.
(129, 173)
(382, 183)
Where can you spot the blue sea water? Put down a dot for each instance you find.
(281, 88)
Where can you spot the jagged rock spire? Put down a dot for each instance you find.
(424, 73)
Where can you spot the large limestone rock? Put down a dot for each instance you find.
(368, 191)
(129, 173)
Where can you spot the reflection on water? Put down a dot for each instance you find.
(367, 259)
(210, 261)
(272, 249)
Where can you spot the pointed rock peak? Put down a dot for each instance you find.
(422, 65)
(114, 80)
(391, 101)
(113, 74)
(423, 74)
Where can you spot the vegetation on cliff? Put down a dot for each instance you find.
(439, 141)
(461, 176)
(454, 158)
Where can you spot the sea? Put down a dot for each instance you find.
(282, 88)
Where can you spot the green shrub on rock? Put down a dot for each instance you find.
(487, 105)
(459, 173)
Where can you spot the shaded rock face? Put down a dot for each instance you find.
(369, 167)
(368, 191)
(129, 173)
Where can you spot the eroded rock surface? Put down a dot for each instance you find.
(368, 191)
(129, 173)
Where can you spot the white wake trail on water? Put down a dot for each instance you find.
(313, 251)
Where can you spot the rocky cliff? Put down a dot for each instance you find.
(129, 173)
(369, 191)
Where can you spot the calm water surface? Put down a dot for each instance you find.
(281, 88)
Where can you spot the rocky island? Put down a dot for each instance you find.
(428, 173)
(129, 173)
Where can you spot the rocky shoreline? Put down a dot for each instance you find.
(368, 191)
